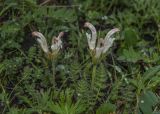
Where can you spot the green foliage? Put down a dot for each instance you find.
(130, 55)
(65, 104)
(106, 108)
(125, 80)
(130, 37)
(147, 101)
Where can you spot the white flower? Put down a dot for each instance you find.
(108, 41)
(103, 45)
(91, 39)
(99, 48)
(42, 41)
(56, 42)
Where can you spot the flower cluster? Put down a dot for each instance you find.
(103, 45)
(56, 43)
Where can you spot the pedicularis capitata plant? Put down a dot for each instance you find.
(55, 48)
(98, 46)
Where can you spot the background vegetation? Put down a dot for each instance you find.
(127, 80)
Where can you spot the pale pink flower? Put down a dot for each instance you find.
(56, 42)
(91, 37)
(103, 45)
(41, 40)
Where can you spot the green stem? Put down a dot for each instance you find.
(53, 73)
(93, 75)
(137, 104)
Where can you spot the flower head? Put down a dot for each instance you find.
(91, 37)
(41, 40)
(103, 45)
(56, 42)
(108, 41)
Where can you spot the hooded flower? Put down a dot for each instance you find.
(103, 45)
(91, 37)
(56, 42)
(42, 41)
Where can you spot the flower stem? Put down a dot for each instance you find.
(93, 75)
(53, 73)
